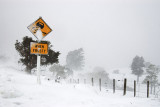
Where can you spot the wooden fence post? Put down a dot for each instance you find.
(113, 85)
(92, 82)
(134, 88)
(125, 84)
(147, 89)
(100, 84)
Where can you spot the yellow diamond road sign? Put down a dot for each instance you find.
(39, 24)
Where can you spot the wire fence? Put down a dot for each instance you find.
(118, 86)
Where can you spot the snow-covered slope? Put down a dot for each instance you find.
(127, 73)
(124, 73)
(18, 89)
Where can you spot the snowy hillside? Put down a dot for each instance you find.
(18, 89)
(124, 73)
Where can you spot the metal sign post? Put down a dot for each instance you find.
(38, 69)
(39, 29)
(38, 34)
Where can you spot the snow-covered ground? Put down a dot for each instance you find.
(18, 89)
(127, 73)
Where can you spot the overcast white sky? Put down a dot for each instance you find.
(111, 32)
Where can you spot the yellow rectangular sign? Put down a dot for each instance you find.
(38, 48)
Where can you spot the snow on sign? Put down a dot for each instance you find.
(39, 48)
(39, 25)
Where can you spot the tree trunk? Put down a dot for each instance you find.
(151, 88)
(154, 89)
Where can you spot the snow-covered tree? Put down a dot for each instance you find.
(152, 76)
(96, 74)
(59, 70)
(100, 72)
(75, 59)
(137, 66)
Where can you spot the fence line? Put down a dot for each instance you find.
(141, 89)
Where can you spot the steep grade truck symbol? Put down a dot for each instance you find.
(39, 24)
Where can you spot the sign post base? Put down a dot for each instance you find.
(38, 69)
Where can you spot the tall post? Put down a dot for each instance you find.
(38, 34)
(100, 84)
(134, 88)
(113, 85)
(78, 81)
(125, 82)
(39, 25)
(92, 82)
(38, 69)
(147, 89)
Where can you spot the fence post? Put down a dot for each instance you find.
(125, 82)
(100, 84)
(92, 82)
(147, 89)
(134, 88)
(113, 85)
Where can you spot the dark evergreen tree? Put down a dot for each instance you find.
(75, 59)
(137, 66)
(30, 60)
